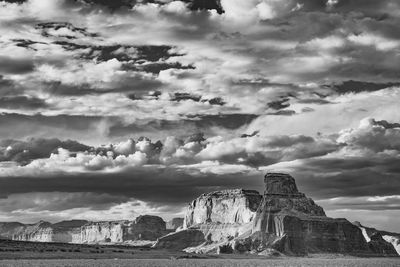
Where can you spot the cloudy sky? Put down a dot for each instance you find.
(111, 109)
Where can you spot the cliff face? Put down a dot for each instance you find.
(174, 224)
(8, 229)
(381, 242)
(228, 206)
(283, 220)
(290, 219)
(78, 231)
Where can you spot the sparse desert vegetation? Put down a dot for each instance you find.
(286, 262)
(36, 254)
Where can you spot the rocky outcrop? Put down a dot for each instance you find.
(292, 223)
(228, 206)
(142, 228)
(218, 216)
(283, 220)
(393, 239)
(181, 240)
(8, 229)
(79, 231)
(380, 242)
(65, 232)
(174, 224)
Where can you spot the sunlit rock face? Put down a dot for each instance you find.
(218, 216)
(283, 220)
(142, 228)
(102, 232)
(66, 232)
(228, 206)
(394, 240)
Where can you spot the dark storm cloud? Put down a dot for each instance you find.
(122, 53)
(387, 125)
(358, 86)
(46, 27)
(162, 186)
(56, 201)
(367, 165)
(368, 7)
(23, 126)
(365, 203)
(197, 98)
(134, 84)
(11, 65)
(279, 104)
(314, 101)
(287, 112)
(350, 177)
(26, 43)
(193, 124)
(25, 151)
(192, 4)
(15, 1)
(205, 5)
(63, 126)
(22, 102)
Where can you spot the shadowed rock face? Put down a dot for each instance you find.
(381, 242)
(282, 220)
(174, 224)
(290, 222)
(280, 184)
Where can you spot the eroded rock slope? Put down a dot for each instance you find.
(282, 220)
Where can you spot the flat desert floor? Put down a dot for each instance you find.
(33, 254)
(287, 262)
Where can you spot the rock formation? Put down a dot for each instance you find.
(228, 206)
(174, 224)
(381, 242)
(46, 232)
(142, 228)
(282, 220)
(79, 231)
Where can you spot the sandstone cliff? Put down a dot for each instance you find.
(228, 206)
(282, 220)
(381, 242)
(174, 224)
(79, 231)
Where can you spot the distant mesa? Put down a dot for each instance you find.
(143, 228)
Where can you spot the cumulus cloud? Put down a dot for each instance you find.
(377, 136)
(224, 68)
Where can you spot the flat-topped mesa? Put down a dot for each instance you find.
(142, 228)
(281, 184)
(281, 195)
(283, 219)
(226, 206)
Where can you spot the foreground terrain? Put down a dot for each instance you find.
(351, 262)
(38, 254)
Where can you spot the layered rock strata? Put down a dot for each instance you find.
(78, 231)
(282, 220)
(380, 242)
(174, 224)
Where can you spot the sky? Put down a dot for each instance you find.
(113, 109)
